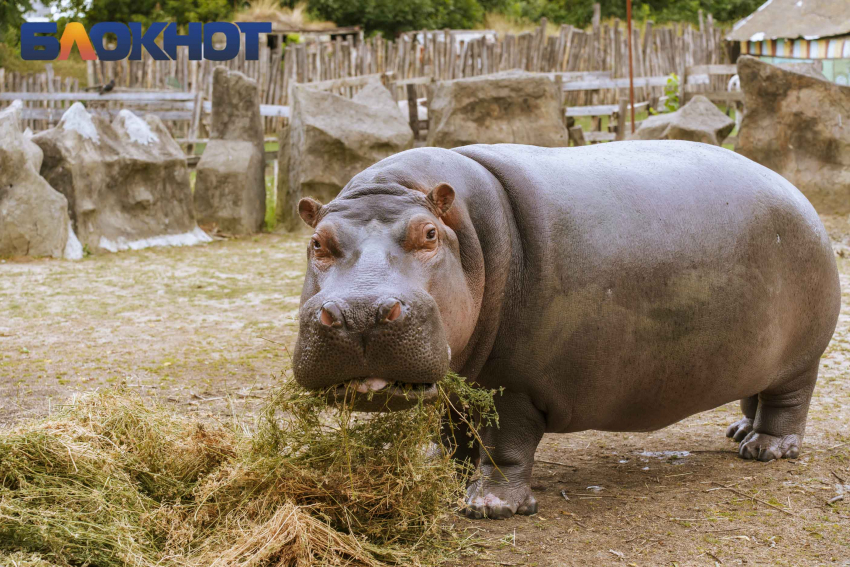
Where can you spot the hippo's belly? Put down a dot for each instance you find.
(660, 279)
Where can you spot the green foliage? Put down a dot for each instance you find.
(11, 17)
(145, 11)
(580, 12)
(394, 16)
(671, 89)
(184, 11)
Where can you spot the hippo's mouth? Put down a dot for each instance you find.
(376, 394)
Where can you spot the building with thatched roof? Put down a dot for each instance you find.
(799, 30)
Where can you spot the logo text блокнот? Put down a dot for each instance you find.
(131, 39)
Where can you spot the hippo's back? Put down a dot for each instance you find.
(660, 269)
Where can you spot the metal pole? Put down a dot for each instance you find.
(631, 68)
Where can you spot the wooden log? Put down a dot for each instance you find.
(413, 110)
(592, 137)
(621, 118)
(576, 134)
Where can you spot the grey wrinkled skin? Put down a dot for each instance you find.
(616, 287)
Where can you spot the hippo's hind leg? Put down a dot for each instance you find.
(743, 426)
(780, 420)
(507, 458)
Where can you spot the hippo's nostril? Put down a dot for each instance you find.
(331, 315)
(389, 311)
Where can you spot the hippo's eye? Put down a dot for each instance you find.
(431, 234)
(316, 244)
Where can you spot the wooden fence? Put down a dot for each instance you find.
(412, 58)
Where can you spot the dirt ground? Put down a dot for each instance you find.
(207, 329)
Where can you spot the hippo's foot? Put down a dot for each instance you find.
(740, 429)
(487, 499)
(764, 447)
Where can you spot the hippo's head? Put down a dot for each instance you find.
(385, 300)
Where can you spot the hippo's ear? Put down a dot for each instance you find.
(442, 196)
(309, 210)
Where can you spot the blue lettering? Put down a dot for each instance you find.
(29, 41)
(147, 40)
(194, 40)
(122, 45)
(252, 31)
(231, 41)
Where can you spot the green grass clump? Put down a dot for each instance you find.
(111, 481)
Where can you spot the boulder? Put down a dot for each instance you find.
(227, 196)
(32, 151)
(230, 186)
(33, 216)
(698, 121)
(512, 107)
(331, 139)
(798, 125)
(127, 182)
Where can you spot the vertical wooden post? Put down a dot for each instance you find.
(559, 83)
(90, 80)
(631, 65)
(48, 68)
(621, 119)
(413, 110)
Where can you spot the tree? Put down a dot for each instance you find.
(395, 16)
(11, 17)
(146, 11)
(580, 12)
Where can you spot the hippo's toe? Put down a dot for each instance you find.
(740, 429)
(499, 502)
(764, 447)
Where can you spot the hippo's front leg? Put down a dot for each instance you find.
(507, 458)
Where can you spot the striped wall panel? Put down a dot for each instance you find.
(832, 48)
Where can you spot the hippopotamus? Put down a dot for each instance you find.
(614, 287)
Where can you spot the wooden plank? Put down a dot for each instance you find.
(603, 84)
(54, 114)
(334, 84)
(600, 109)
(713, 70)
(272, 110)
(734, 96)
(575, 76)
(600, 136)
(135, 96)
(414, 81)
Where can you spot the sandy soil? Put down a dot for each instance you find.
(207, 329)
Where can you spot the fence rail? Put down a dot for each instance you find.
(580, 57)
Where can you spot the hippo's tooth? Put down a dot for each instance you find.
(374, 384)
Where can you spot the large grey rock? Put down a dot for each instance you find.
(512, 107)
(227, 197)
(813, 69)
(33, 216)
(798, 125)
(236, 150)
(32, 151)
(698, 121)
(127, 182)
(331, 139)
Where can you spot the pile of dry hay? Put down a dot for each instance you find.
(111, 481)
